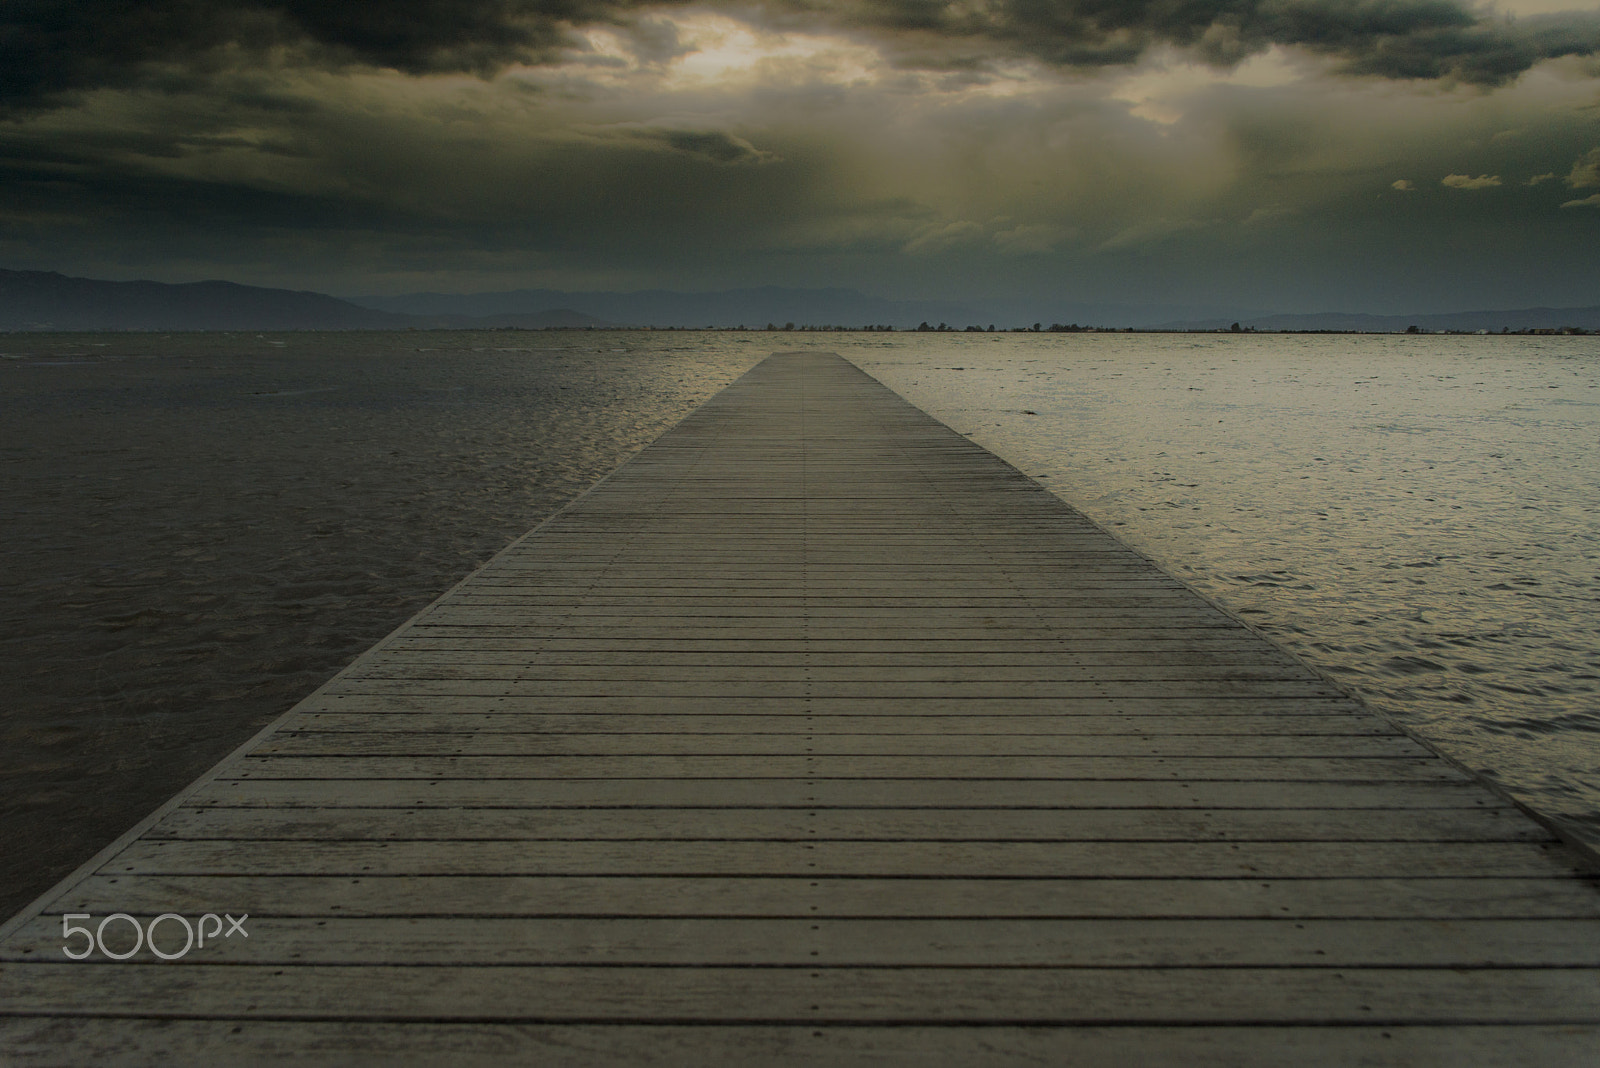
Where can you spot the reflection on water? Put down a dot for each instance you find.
(202, 528)
(1417, 516)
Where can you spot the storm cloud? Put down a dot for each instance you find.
(717, 146)
(1291, 153)
(50, 48)
(1418, 39)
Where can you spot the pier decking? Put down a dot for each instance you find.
(818, 733)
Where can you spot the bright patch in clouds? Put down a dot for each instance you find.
(728, 51)
(721, 53)
(1586, 171)
(1161, 90)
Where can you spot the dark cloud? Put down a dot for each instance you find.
(52, 47)
(656, 40)
(1484, 53)
(48, 47)
(1425, 39)
(718, 146)
(424, 36)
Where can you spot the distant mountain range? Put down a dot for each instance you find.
(753, 308)
(39, 300)
(42, 300)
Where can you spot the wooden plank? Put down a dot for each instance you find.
(1207, 641)
(934, 665)
(1021, 617)
(780, 631)
(1088, 637)
(821, 767)
(333, 896)
(491, 1043)
(979, 796)
(951, 681)
(757, 652)
(497, 744)
(986, 996)
(1252, 705)
(875, 824)
(1129, 685)
(669, 724)
(803, 855)
(876, 943)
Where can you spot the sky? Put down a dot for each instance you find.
(1387, 156)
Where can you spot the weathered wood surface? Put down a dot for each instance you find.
(816, 734)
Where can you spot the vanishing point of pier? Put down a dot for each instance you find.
(816, 733)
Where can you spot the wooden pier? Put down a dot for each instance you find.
(818, 734)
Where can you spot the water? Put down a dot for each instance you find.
(1417, 516)
(202, 528)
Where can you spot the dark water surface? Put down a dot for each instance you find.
(200, 529)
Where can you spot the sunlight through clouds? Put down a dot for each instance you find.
(1160, 91)
(901, 148)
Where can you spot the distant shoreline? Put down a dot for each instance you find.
(1566, 331)
(47, 302)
